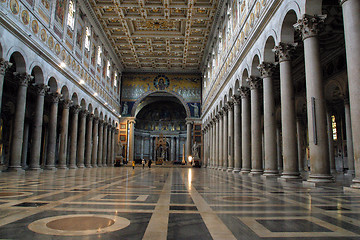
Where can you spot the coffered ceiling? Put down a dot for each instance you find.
(157, 34)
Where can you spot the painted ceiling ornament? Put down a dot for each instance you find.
(161, 82)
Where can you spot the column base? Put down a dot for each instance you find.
(94, 166)
(269, 176)
(271, 173)
(81, 166)
(104, 165)
(88, 166)
(290, 175)
(61, 167)
(350, 173)
(230, 169)
(236, 170)
(50, 168)
(99, 165)
(224, 169)
(17, 169)
(245, 170)
(34, 169)
(320, 178)
(72, 167)
(256, 172)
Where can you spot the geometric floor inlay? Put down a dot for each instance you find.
(271, 227)
(78, 224)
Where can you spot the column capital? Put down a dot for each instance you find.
(230, 105)
(96, 119)
(189, 122)
(90, 116)
(266, 69)
(284, 51)
(55, 97)
(41, 88)
(67, 103)
(309, 26)
(244, 92)
(84, 113)
(254, 82)
(225, 108)
(4, 65)
(236, 99)
(132, 121)
(24, 78)
(75, 109)
(217, 117)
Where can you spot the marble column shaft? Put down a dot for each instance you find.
(105, 143)
(4, 65)
(37, 126)
(279, 147)
(349, 138)
(100, 143)
(351, 17)
(221, 140)
(73, 137)
(51, 147)
(95, 142)
(225, 138)
(288, 119)
(245, 130)
(316, 106)
(88, 144)
(230, 145)
(81, 143)
(64, 134)
(271, 166)
(19, 118)
(131, 141)
(237, 133)
(300, 147)
(217, 143)
(188, 139)
(109, 147)
(25, 145)
(256, 133)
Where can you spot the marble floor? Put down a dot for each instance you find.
(171, 203)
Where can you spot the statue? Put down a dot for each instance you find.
(195, 150)
(196, 109)
(125, 109)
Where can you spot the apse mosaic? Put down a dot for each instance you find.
(185, 86)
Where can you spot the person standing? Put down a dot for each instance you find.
(149, 163)
(133, 164)
(143, 163)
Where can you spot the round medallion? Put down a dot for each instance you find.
(78, 224)
(14, 6)
(57, 49)
(43, 35)
(51, 42)
(35, 26)
(25, 17)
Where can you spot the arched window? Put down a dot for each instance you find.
(115, 79)
(108, 72)
(87, 38)
(71, 15)
(98, 61)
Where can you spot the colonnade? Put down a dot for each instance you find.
(90, 139)
(245, 128)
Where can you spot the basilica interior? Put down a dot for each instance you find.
(179, 119)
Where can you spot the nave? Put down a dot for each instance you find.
(171, 203)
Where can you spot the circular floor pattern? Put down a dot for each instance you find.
(14, 194)
(137, 186)
(78, 224)
(239, 199)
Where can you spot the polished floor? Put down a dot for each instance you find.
(171, 203)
